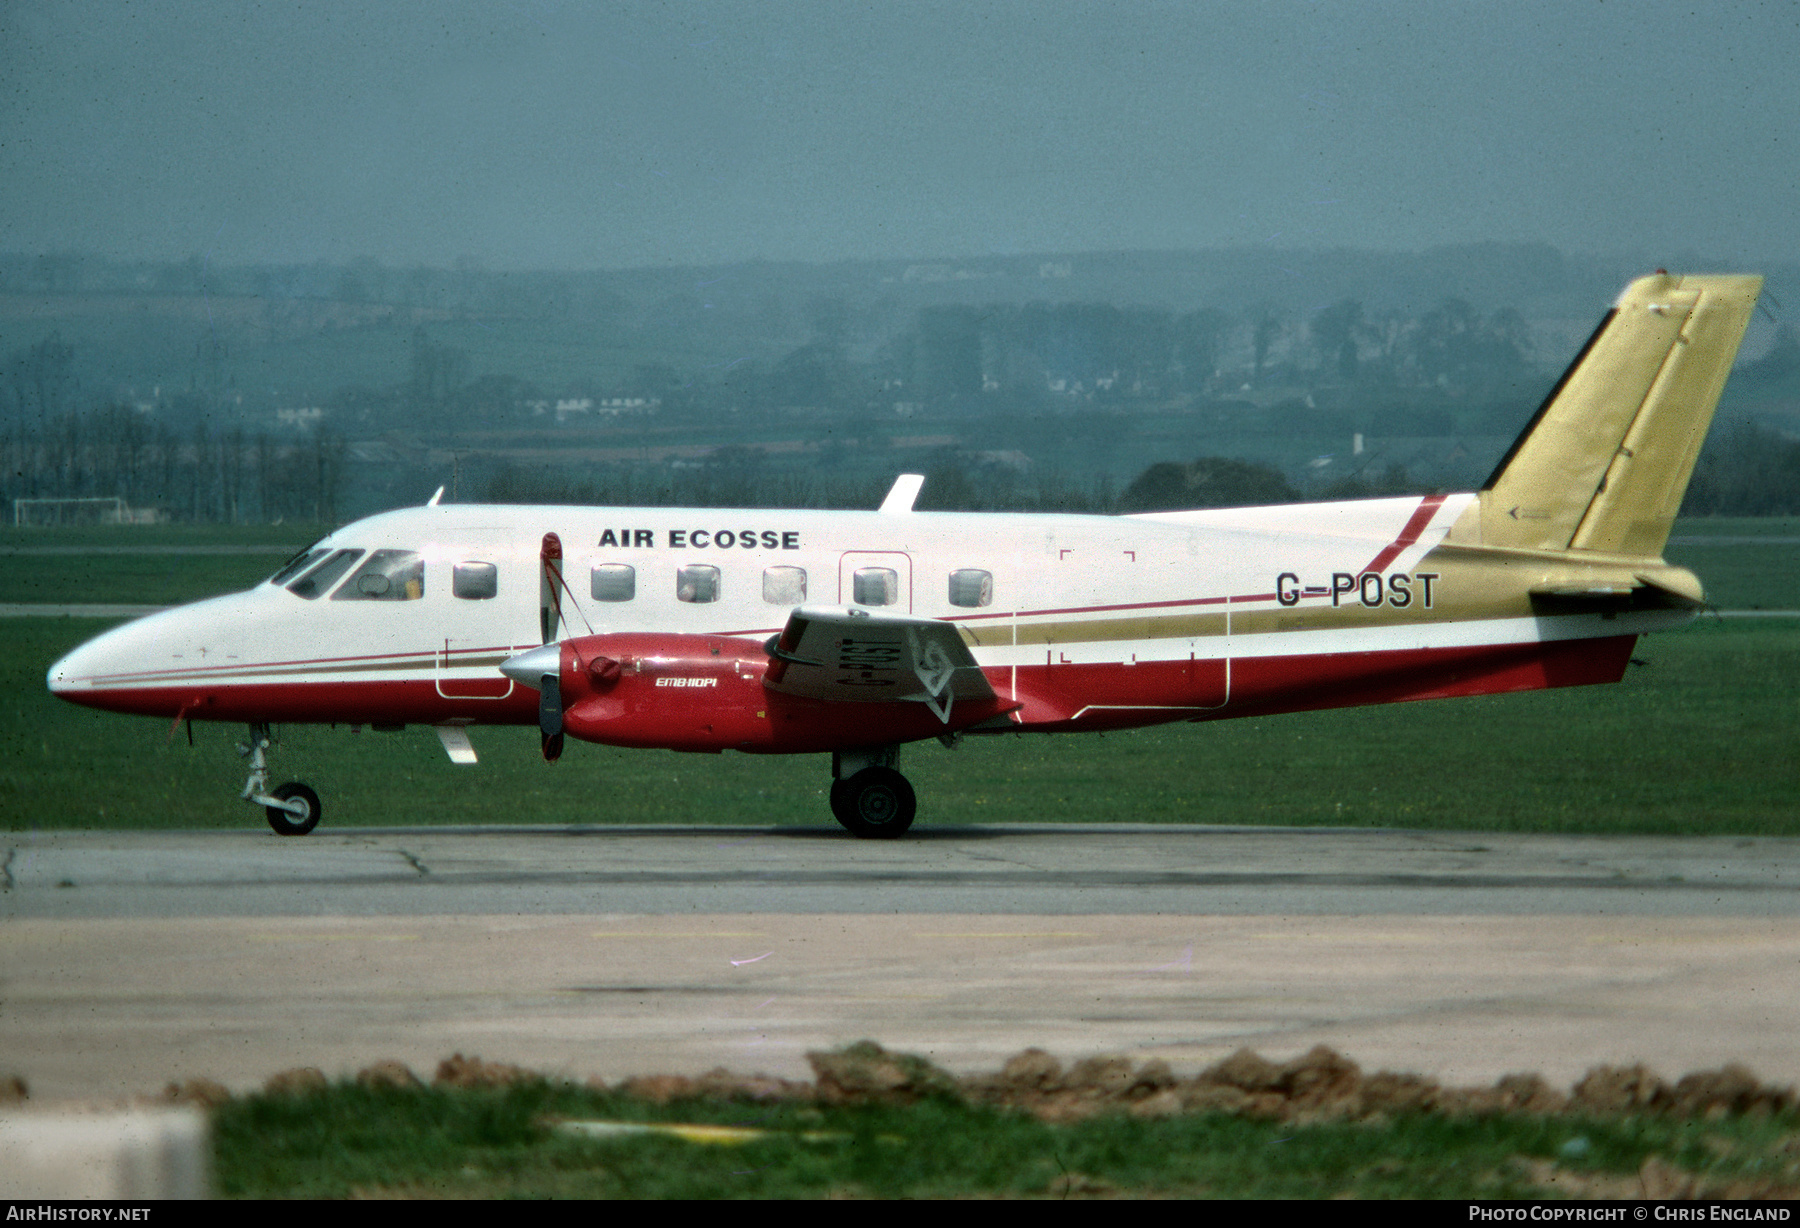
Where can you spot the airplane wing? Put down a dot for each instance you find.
(846, 653)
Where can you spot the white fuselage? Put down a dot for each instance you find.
(1216, 591)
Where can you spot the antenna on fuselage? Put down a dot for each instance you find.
(433, 501)
(905, 490)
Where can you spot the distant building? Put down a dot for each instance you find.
(612, 407)
(300, 419)
(628, 405)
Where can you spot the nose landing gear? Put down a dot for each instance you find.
(293, 808)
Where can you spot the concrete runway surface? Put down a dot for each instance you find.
(130, 959)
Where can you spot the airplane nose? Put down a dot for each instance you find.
(126, 658)
(75, 669)
(528, 668)
(56, 677)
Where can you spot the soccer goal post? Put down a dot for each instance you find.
(50, 512)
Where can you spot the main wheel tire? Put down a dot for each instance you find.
(877, 803)
(286, 823)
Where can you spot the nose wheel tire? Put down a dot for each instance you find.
(288, 823)
(877, 803)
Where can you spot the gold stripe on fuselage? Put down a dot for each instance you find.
(1469, 584)
(216, 675)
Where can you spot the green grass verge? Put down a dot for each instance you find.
(492, 1143)
(1762, 573)
(133, 579)
(1737, 526)
(43, 566)
(1698, 741)
(290, 536)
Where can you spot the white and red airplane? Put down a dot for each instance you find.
(853, 633)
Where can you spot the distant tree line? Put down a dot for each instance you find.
(1746, 469)
(1007, 371)
(39, 381)
(232, 476)
(733, 480)
(951, 484)
(202, 475)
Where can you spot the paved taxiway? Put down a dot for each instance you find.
(128, 959)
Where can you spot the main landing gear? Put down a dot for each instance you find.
(293, 808)
(869, 796)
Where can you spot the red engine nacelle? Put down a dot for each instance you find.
(706, 693)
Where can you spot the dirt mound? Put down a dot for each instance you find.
(201, 1093)
(1320, 1085)
(715, 1084)
(865, 1072)
(1324, 1085)
(299, 1081)
(388, 1074)
(459, 1071)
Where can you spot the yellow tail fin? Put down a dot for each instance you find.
(1605, 463)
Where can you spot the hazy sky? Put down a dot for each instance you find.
(529, 133)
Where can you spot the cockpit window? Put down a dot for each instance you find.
(389, 575)
(299, 563)
(324, 575)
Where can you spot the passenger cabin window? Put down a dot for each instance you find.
(697, 583)
(613, 582)
(784, 585)
(475, 581)
(322, 577)
(875, 586)
(971, 587)
(299, 563)
(389, 575)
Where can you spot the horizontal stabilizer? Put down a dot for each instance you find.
(1668, 588)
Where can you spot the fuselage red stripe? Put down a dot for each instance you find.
(1101, 695)
(1415, 525)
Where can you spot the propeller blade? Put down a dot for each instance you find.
(550, 711)
(550, 716)
(550, 587)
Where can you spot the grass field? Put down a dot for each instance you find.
(352, 1141)
(164, 565)
(1699, 740)
(1746, 564)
